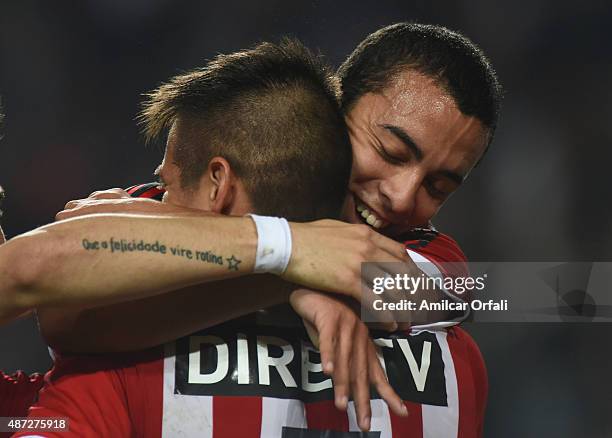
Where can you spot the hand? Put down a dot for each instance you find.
(348, 354)
(117, 201)
(328, 255)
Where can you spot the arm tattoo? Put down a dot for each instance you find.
(122, 246)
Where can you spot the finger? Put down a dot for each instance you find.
(327, 348)
(403, 326)
(383, 326)
(383, 290)
(107, 194)
(395, 249)
(341, 373)
(360, 384)
(402, 288)
(374, 297)
(61, 216)
(379, 380)
(72, 204)
(72, 209)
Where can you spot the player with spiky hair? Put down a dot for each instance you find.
(420, 117)
(49, 267)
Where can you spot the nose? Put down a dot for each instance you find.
(399, 193)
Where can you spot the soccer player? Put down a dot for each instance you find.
(311, 96)
(420, 101)
(302, 123)
(71, 282)
(50, 267)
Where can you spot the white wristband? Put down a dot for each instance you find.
(273, 244)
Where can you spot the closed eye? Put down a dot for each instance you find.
(436, 192)
(390, 158)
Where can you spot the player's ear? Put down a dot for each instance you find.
(222, 181)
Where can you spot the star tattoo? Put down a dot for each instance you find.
(233, 263)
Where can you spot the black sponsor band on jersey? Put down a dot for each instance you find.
(292, 432)
(268, 362)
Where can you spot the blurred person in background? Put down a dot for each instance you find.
(17, 391)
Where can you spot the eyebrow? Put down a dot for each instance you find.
(406, 139)
(418, 152)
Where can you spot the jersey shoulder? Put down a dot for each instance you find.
(432, 243)
(148, 190)
(467, 356)
(438, 248)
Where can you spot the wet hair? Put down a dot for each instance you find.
(455, 62)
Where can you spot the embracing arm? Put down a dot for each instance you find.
(327, 255)
(152, 321)
(103, 259)
(143, 316)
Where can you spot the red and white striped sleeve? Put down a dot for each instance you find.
(439, 255)
(438, 248)
(150, 190)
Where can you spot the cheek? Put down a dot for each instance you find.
(425, 208)
(367, 165)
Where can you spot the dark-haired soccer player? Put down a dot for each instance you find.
(68, 280)
(289, 84)
(50, 266)
(425, 114)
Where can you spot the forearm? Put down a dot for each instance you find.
(152, 321)
(104, 259)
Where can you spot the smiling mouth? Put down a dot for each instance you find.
(368, 216)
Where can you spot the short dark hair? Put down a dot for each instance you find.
(273, 113)
(450, 58)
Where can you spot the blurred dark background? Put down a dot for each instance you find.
(71, 78)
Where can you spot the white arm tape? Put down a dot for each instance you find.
(273, 244)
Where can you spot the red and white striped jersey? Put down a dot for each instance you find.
(439, 374)
(256, 377)
(262, 381)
